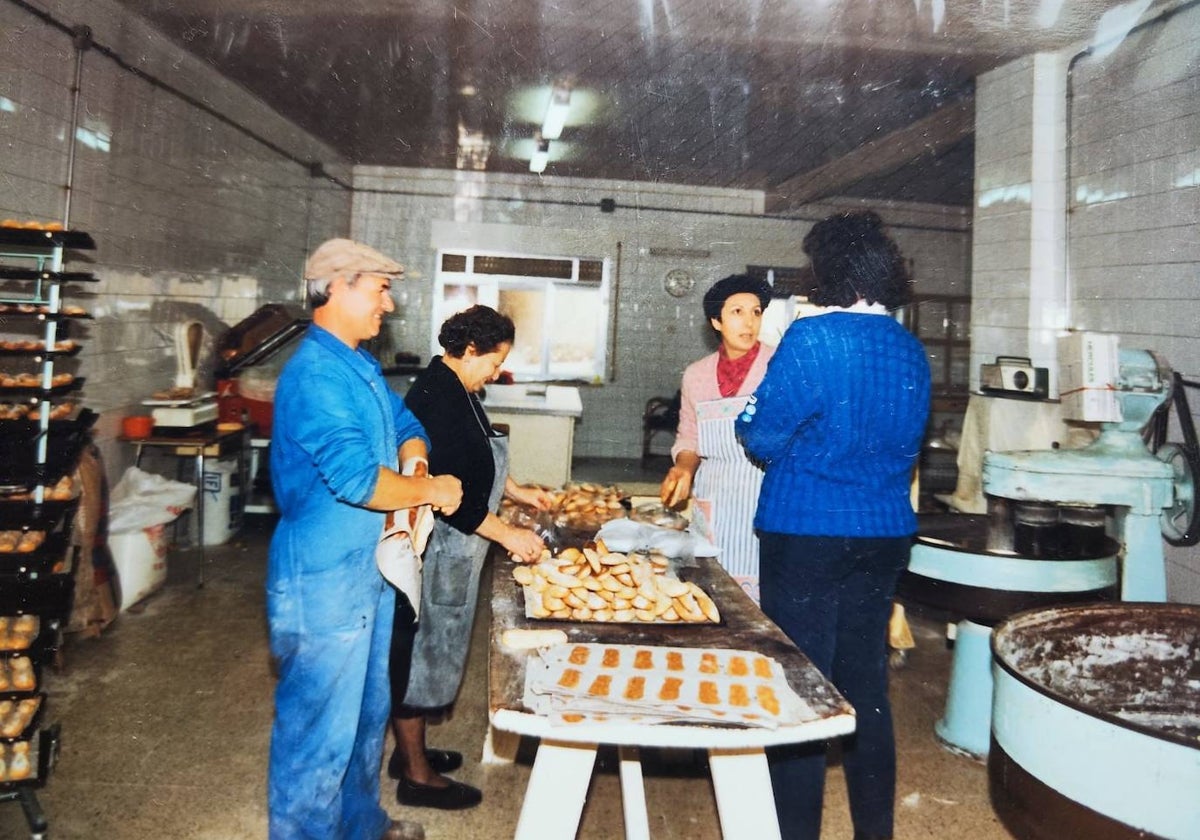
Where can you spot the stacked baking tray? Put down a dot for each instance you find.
(43, 431)
(28, 642)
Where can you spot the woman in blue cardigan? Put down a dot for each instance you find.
(837, 425)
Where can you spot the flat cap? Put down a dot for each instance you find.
(344, 257)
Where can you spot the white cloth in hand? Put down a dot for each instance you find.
(398, 555)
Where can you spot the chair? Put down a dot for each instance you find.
(661, 415)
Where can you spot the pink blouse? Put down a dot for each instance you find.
(700, 385)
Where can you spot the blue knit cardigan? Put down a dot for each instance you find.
(837, 424)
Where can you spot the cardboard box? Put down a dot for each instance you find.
(1087, 377)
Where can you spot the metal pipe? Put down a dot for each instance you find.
(81, 37)
(613, 297)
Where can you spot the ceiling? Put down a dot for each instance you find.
(800, 98)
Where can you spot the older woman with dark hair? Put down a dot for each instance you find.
(426, 671)
(837, 424)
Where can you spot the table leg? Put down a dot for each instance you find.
(745, 802)
(557, 789)
(633, 795)
(200, 513)
(499, 746)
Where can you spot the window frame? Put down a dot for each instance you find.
(489, 286)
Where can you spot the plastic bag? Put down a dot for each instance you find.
(142, 500)
(627, 535)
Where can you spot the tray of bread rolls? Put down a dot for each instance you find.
(18, 632)
(18, 714)
(572, 683)
(19, 760)
(583, 506)
(17, 674)
(595, 584)
(27, 762)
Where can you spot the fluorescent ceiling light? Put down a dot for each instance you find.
(556, 112)
(541, 156)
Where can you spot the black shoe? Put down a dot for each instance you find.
(441, 761)
(451, 798)
(404, 830)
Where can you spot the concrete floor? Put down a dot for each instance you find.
(166, 720)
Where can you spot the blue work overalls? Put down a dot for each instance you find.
(330, 612)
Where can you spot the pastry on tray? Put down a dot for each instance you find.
(594, 584)
(574, 683)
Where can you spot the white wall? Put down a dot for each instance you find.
(1132, 168)
(1135, 233)
(410, 213)
(192, 217)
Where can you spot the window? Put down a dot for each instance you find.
(560, 306)
(943, 324)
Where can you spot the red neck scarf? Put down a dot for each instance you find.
(731, 373)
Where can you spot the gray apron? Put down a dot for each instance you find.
(453, 564)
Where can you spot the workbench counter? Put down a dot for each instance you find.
(541, 429)
(562, 769)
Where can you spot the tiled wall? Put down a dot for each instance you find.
(411, 213)
(1018, 266)
(1133, 255)
(1135, 230)
(193, 218)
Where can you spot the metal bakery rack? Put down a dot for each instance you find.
(42, 434)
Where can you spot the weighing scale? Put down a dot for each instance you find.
(182, 407)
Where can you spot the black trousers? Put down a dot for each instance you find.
(832, 596)
(404, 631)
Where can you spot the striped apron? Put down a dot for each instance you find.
(725, 492)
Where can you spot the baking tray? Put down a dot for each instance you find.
(29, 411)
(49, 598)
(42, 751)
(40, 239)
(9, 667)
(18, 448)
(9, 273)
(21, 724)
(36, 348)
(41, 311)
(49, 516)
(51, 557)
(613, 595)
(8, 392)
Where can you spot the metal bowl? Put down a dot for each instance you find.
(1096, 721)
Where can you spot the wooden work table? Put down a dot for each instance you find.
(566, 754)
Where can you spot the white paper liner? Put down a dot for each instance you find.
(572, 683)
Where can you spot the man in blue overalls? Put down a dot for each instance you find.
(340, 438)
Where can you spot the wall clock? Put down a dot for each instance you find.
(679, 282)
